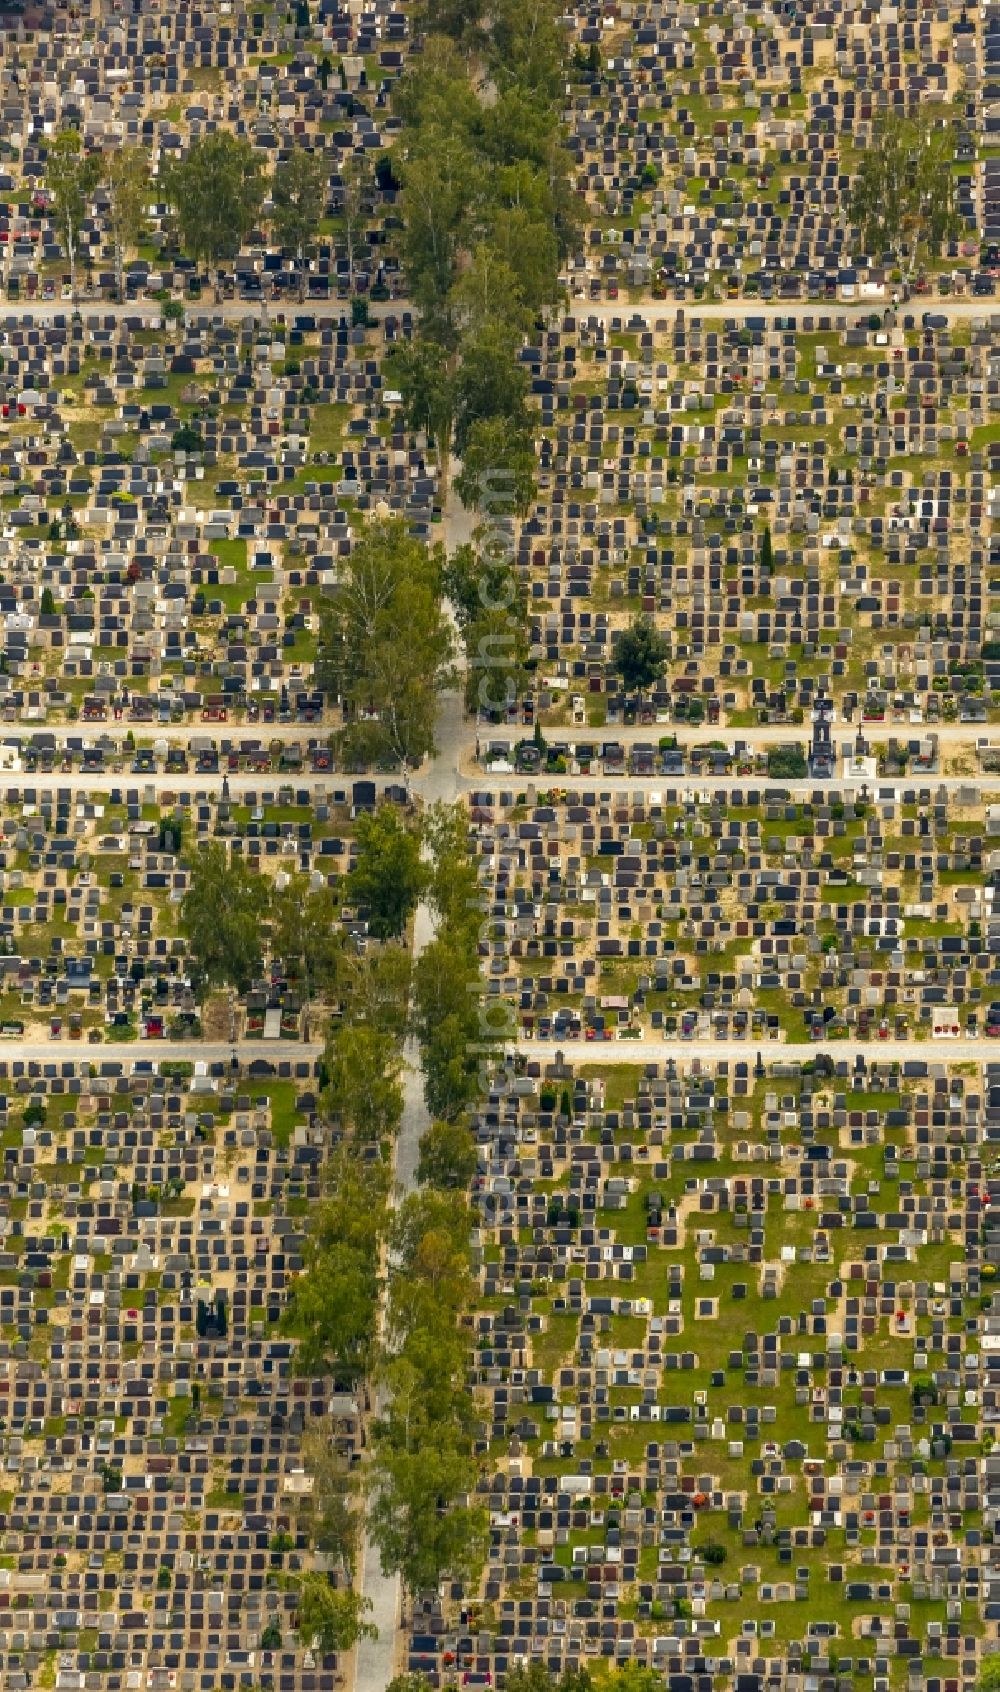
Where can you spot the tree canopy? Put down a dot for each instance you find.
(363, 1088)
(221, 914)
(127, 180)
(497, 446)
(332, 1506)
(640, 654)
(332, 1618)
(447, 984)
(334, 1304)
(305, 932)
(902, 196)
(447, 1156)
(386, 646)
(298, 200)
(421, 371)
(374, 985)
(216, 191)
(387, 876)
(489, 214)
(421, 1514)
(71, 175)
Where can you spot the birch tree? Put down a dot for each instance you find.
(902, 200)
(71, 175)
(127, 180)
(298, 197)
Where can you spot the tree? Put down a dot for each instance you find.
(187, 438)
(436, 94)
(447, 993)
(491, 385)
(533, 1677)
(536, 1677)
(455, 1027)
(216, 191)
(902, 196)
(72, 176)
(298, 198)
(430, 1286)
(430, 1289)
(529, 176)
(527, 46)
(127, 180)
(635, 1677)
(332, 1619)
(787, 763)
(387, 876)
(498, 446)
(334, 1304)
(491, 610)
(363, 1088)
(766, 550)
(447, 1156)
(473, 579)
(375, 986)
(333, 1519)
(528, 242)
(454, 884)
(221, 914)
(420, 369)
(48, 604)
(488, 292)
(305, 933)
(497, 652)
(438, 173)
(386, 646)
(640, 655)
(352, 204)
(457, 18)
(418, 1514)
(989, 1675)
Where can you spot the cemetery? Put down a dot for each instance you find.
(497, 1181)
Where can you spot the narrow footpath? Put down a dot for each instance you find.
(438, 781)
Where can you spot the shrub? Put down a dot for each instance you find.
(187, 439)
(787, 763)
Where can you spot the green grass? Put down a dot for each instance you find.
(284, 1115)
(556, 1344)
(232, 554)
(220, 1499)
(179, 1411)
(621, 1080)
(326, 430)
